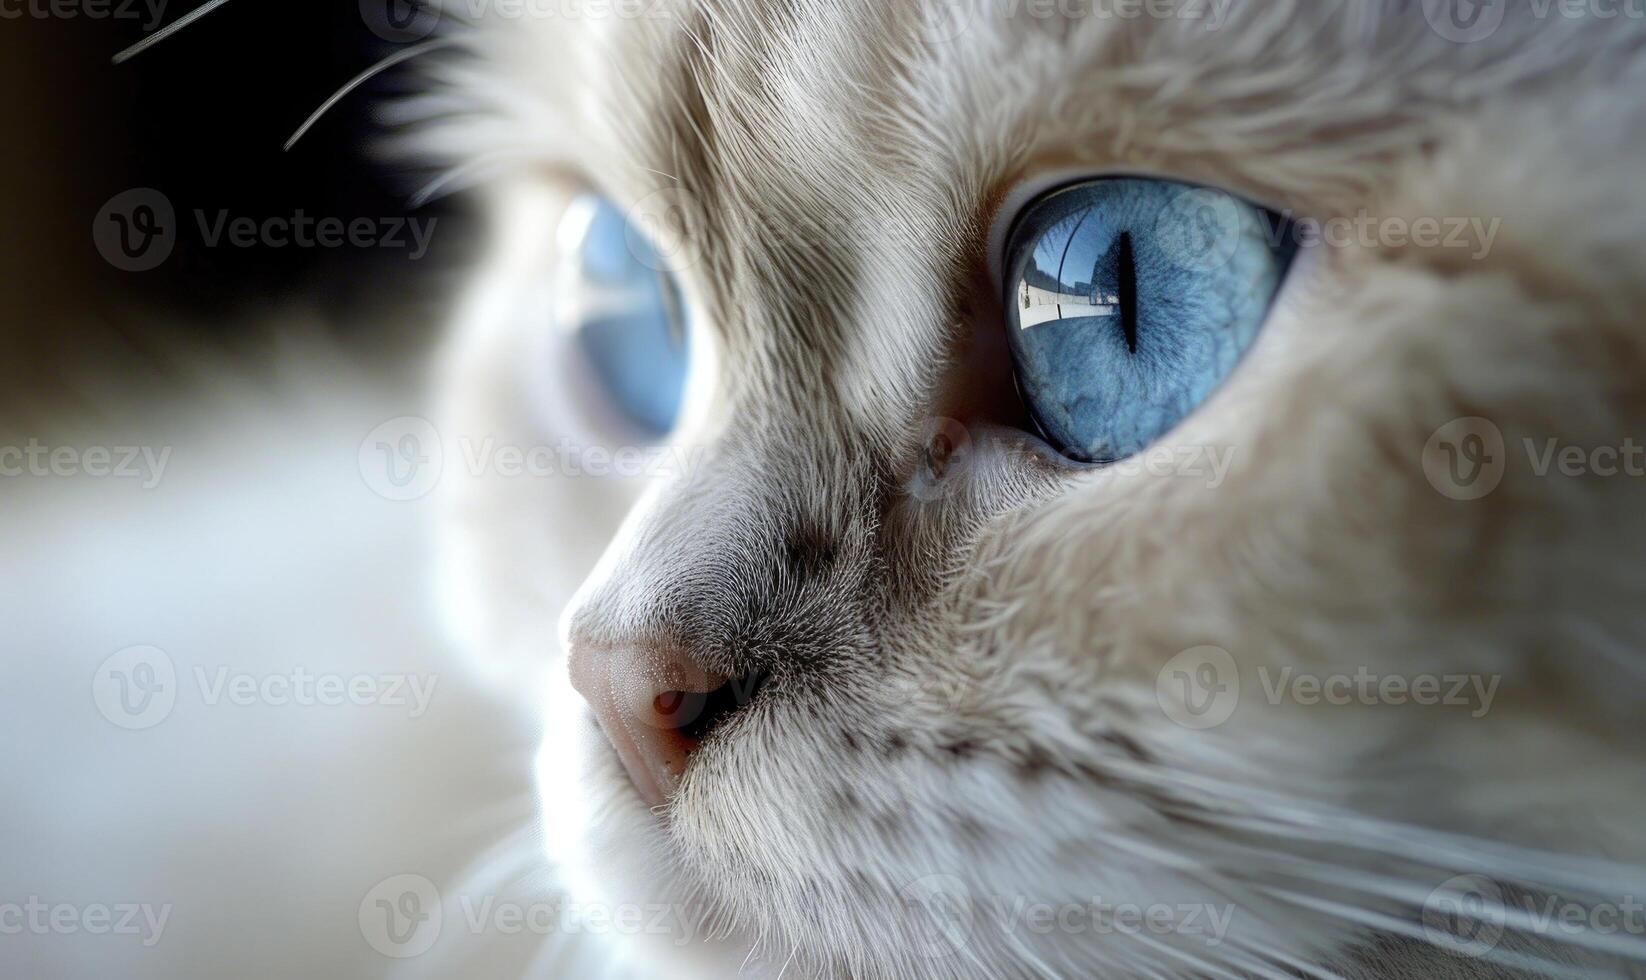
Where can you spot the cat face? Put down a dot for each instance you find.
(987, 709)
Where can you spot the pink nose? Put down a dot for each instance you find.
(654, 704)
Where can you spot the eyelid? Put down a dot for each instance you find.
(1023, 193)
(1027, 190)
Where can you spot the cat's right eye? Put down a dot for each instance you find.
(627, 316)
(1129, 300)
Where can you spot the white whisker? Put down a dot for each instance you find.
(1402, 927)
(402, 55)
(169, 30)
(462, 177)
(1273, 813)
(1200, 964)
(1281, 957)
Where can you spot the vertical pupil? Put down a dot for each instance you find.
(1114, 338)
(1127, 291)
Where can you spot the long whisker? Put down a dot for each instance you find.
(1200, 963)
(460, 177)
(1398, 926)
(1281, 815)
(404, 54)
(1300, 968)
(1273, 812)
(169, 30)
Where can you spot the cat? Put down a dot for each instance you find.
(1326, 705)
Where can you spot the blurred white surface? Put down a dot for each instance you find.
(253, 825)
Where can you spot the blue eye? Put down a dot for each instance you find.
(1130, 300)
(629, 321)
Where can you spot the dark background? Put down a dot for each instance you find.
(200, 117)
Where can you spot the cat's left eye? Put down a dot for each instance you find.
(627, 317)
(1129, 300)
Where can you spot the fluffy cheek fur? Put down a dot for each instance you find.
(995, 733)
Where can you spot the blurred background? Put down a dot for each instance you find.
(236, 729)
(201, 118)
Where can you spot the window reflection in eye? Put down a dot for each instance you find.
(1108, 290)
(626, 314)
(1131, 299)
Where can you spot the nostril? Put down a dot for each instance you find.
(655, 705)
(675, 710)
(718, 705)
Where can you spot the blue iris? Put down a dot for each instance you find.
(631, 331)
(1130, 300)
